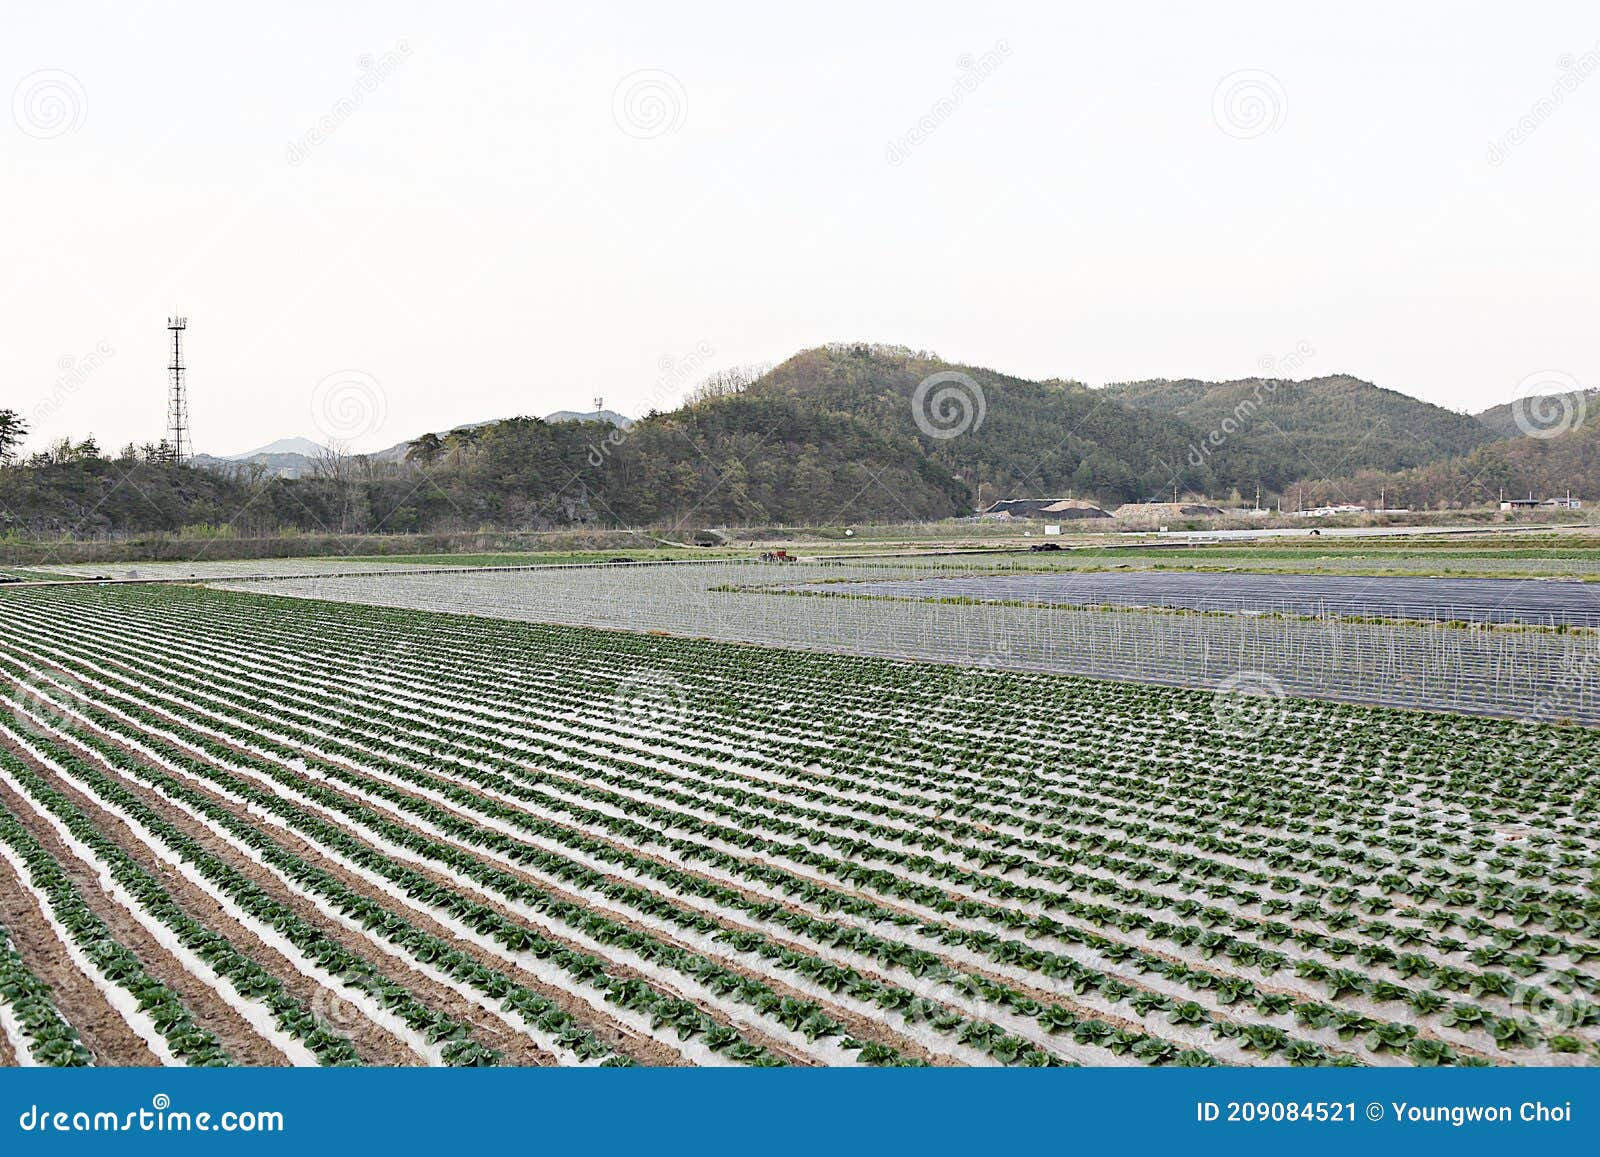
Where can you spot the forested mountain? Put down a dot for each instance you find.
(86, 495)
(739, 459)
(1017, 438)
(1541, 412)
(743, 458)
(1545, 467)
(1279, 432)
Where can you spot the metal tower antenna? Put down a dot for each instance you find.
(177, 396)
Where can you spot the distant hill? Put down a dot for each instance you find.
(1279, 432)
(101, 496)
(302, 446)
(732, 459)
(767, 457)
(297, 457)
(285, 458)
(610, 417)
(859, 432)
(273, 465)
(1018, 438)
(1034, 439)
(397, 452)
(1539, 412)
(1546, 467)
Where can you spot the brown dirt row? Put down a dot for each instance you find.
(376, 1045)
(516, 1048)
(102, 1028)
(209, 1010)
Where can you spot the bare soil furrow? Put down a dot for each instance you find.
(102, 1028)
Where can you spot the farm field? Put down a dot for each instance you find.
(1438, 599)
(238, 828)
(1534, 675)
(1583, 566)
(558, 557)
(202, 568)
(1409, 551)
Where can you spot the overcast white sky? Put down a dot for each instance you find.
(453, 212)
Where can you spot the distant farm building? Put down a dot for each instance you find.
(1045, 509)
(1532, 503)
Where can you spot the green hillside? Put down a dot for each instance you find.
(1544, 467)
(1279, 432)
(1034, 439)
(1540, 412)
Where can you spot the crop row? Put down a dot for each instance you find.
(40, 1029)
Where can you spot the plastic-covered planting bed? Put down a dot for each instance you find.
(1531, 674)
